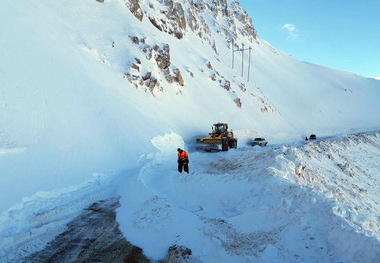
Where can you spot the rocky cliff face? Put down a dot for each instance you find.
(207, 20)
(178, 18)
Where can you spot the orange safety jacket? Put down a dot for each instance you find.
(182, 155)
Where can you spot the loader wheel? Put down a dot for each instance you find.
(224, 144)
(233, 143)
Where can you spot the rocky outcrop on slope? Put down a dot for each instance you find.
(135, 8)
(153, 68)
(180, 18)
(179, 254)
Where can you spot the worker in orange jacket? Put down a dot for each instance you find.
(183, 161)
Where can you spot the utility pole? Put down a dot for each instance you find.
(242, 59)
(249, 63)
(233, 52)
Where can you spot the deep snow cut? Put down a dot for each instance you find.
(273, 204)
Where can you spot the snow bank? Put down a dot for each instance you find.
(257, 205)
(30, 225)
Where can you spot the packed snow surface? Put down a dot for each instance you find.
(68, 112)
(302, 202)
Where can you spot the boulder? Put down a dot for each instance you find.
(209, 65)
(147, 76)
(178, 254)
(238, 102)
(135, 40)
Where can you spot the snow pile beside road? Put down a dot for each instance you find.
(29, 226)
(260, 204)
(344, 170)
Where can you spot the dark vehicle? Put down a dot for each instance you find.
(313, 137)
(259, 141)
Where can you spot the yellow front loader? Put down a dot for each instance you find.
(220, 139)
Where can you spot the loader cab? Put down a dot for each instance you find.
(220, 128)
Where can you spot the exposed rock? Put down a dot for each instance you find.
(151, 83)
(134, 66)
(100, 1)
(135, 9)
(193, 23)
(178, 18)
(135, 40)
(178, 254)
(163, 57)
(128, 76)
(147, 76)
(238, 102)
(169, 78)
(209, 65)
(175, 21)
(213, 78)
(215, 48)
(178, 77)
(138, 61)
(155, 23)
(242, 87)
(226, 85)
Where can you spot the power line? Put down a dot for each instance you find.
(242, 49)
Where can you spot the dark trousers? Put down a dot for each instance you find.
(183, 164)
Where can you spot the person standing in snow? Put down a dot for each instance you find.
(183, 161)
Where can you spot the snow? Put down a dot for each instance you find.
(67, 114)
(30, 225)
(258, 205)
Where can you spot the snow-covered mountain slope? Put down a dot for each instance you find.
(68, 109)
(304, 202)
(85, 86)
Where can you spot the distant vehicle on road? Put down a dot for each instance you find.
(313, 137)
(259, 142)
